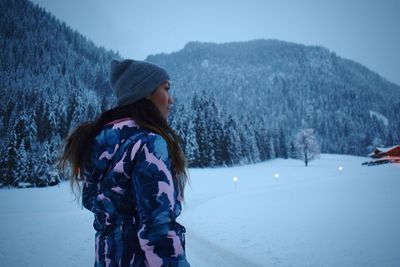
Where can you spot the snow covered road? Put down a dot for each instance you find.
(203, 252)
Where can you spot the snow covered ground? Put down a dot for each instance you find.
(314, 216)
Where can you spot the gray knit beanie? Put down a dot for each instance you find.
(133, 80)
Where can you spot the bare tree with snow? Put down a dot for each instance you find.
(306, 145)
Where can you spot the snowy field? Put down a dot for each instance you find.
(314, 216)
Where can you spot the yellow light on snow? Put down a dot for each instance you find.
(276, 175)
(235, 179)
(340, 168)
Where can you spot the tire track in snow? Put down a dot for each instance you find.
(203, 252)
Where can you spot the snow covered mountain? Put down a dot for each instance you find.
(235, 103)
(291, 86)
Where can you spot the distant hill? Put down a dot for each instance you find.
(291, 86)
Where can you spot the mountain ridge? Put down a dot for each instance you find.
(289, 86)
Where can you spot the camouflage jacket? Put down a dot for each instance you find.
(128, 185)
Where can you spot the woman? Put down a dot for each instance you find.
(133, 171)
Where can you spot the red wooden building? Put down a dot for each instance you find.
(385, 155)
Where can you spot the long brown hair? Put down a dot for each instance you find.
(77, 146)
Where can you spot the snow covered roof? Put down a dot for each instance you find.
(382, 150)
(385, 149)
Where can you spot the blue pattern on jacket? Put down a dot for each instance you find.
(134, 199)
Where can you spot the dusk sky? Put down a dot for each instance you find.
(366, 31)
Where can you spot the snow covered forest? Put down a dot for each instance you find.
(235, 103)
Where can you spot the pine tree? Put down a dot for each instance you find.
(271, 147)
(21, 172)
(75, 110)
(216, 132)
(249, 150)
(43, 164)
(262, 139)
(9, 160)
(253, 154)
(42, 120)
(231, 141)
(26, 130)
(292, 150)
(277, 145)
(204, 124)
(282, 145)
(191, 147)
(199, 126)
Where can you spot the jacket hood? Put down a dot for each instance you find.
(108, 140)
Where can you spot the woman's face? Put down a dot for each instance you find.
(161, 98)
